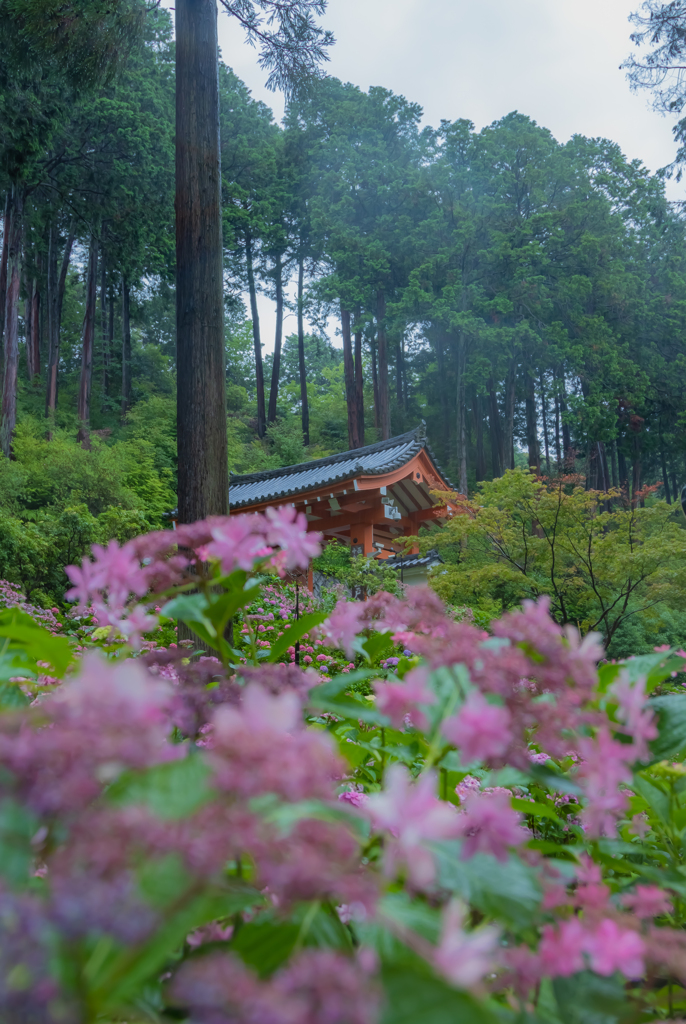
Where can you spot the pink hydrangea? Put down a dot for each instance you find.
(343, 625)
(604, 767)
(489, 824)
(398, 700)
(480, 731)
(634, 713)
(464, 958)
(612, 948)
(648, 901)
(413, 816)
(561, 951)
(287, 530)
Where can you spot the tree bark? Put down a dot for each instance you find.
(304, 405)
(375, 382)
(531, 419)
(636, 474)
(203, 464)
(87, 340)
(568, 456)
(508, 433)
(359, 384)
(349, 377)
(399, 374)
(56, 286)
(479, 432)
(496, 434)
(461, 424)
(384, 405)
(3, 260)
(276, 365)
(558, 449)
(615, 466)
(125, 346)
(9, 384)
(544, 417)
(104, 328)
(33, 330)
(259, 367)
(665, 478)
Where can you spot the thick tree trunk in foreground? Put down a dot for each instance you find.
(359, 384)
(203, 470)
(384, 405)
(87, 340)
(9, 384)
(304, 405)
(276, 365)
(257, 341)
(349, 375)
(125, 347)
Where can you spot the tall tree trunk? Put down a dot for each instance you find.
(478, 405)
(87, 340)
(623, 470)
(508, 432)
(399, 368)
(615, 465)
(56, 286)
(33, 330)
(125, 346)
(566, 437)
(104, 329)
(257, 343)
(203, 463)
(304, 404)
(9, 384)
(558, 449)
(276, 365)
(384, 404)
(496, 433)
(375, 382)
(665, 478)
(636, 474)
(544, 416)
(443, 389)
(349, 377)
(3, 260)
(461, 424)
(531, 418)
(359, 384)
(603, 469)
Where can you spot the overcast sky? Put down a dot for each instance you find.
(555, 60)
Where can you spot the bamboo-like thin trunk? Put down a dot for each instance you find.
(104, 328)
(544, 415)
(125, 346)
(9, 384)
(531, 418)
(359, 384)
(276, 365)
(375, 382)
(33, 331)
(3, 261)
(508, 432)
(349, 378)
(496, 434)
(302, 370)
(87, 339)
(384, 404)
(257, 343)
(461, 424)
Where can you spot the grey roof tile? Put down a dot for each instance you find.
(373, 460)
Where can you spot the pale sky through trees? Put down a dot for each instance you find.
(555, 60)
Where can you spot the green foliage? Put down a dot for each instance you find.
(603, 565)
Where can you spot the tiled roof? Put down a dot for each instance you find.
(415, 561)
(373, 460)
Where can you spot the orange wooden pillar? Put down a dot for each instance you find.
(362, 538)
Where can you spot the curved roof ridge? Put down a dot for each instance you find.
(417, 434)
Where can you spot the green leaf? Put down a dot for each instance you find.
(124, 976)
(671, 739)
(377, 646)
(415, 996)
(654, 667)
(265, 945)
(355, 708)
(656, 798)
(586, 998)
(17, 828)
(25, 639)
(222, 608)
(286, 815)
(294, 633)
(551, 779)
(192, 609)
(533, 807)
(508, 891)
(174, 789)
